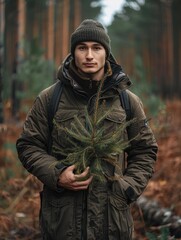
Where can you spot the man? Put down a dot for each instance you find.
(74, 206)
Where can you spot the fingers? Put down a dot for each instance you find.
(69, 180)
(82, 181)
(82, 175)
(71, 168)
(77, 185)
(81, 185)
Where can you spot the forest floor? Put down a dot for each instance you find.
(19, 191)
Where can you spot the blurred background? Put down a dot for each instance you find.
(145, 40)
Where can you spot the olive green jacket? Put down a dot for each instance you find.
(103, 211)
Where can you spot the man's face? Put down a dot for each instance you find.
(90, 59)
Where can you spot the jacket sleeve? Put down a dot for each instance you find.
(33, 142)
(142, 153)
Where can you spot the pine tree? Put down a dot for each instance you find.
(90, 143)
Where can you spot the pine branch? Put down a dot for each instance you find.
(81, 127)
(72, 134)
(92, 144)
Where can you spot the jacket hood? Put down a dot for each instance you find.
(117, 79)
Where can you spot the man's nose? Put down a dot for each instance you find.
(89, 53)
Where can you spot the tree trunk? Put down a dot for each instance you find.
(65, 28)
(167, 43)
(58, 33)
(77, 13)
(51, 30)
(21, 29)
(20, 56)
(1, 57)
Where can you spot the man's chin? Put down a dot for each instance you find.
(90, 71)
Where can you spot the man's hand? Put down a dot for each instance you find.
(71, 181)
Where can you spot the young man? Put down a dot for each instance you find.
(74, 206)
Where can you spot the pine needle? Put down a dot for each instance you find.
(92, 143)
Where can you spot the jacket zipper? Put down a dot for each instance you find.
(84, 216)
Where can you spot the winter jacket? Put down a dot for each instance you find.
(103, 211)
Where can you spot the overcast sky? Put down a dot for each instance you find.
(110, 7)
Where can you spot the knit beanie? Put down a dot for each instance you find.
(90, 30)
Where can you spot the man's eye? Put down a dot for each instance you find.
(81, 48)
(97, 48)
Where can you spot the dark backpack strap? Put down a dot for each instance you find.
(52, 108)
(125, 103)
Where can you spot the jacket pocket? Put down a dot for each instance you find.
(119, 217)
(57, 215)
(64, 120)
(114, 121)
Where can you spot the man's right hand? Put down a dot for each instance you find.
(71, 181)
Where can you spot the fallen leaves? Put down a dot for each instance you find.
(19, 194)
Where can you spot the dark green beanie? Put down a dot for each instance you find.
(90, 30)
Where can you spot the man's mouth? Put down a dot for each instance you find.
(89, 64)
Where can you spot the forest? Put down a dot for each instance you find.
(145, 40)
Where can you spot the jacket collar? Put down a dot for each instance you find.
(115, 77)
